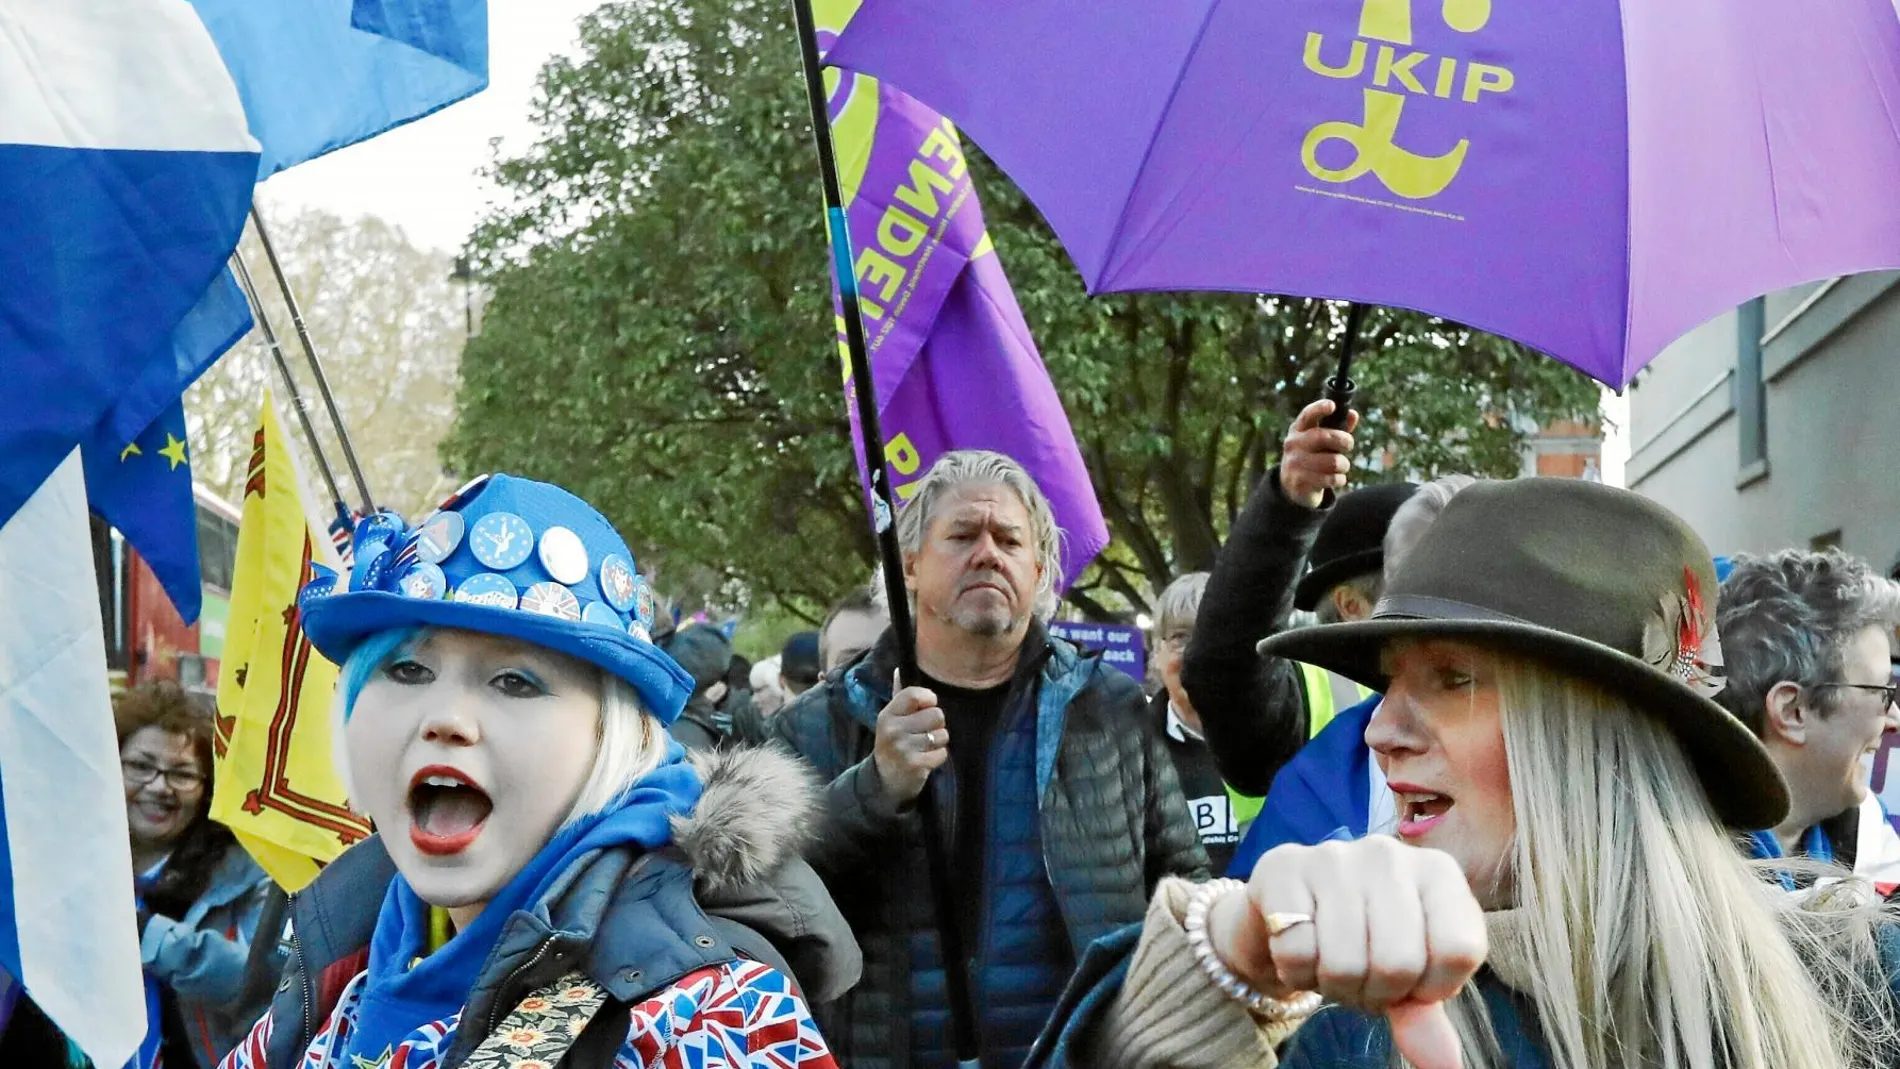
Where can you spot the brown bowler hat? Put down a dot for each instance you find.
(1599, 582)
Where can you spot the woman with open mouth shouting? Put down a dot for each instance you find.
(552, 882)
(1564, 889)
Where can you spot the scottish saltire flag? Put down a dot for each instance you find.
(68, 928)
(312, 81)
(125, 171)
(143, 488)
(953, 361)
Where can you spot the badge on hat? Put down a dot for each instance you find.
(487, 588)
(424, 581)
(501, 540)
(551, 599)
(439, 536)
(618, 583)
(563, 555)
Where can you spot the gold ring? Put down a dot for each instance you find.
(1278, 923)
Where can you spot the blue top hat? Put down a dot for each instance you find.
(503, 556)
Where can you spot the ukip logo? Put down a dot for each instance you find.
(1397, 73)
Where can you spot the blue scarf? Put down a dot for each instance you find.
(1814, 844)
(397, 1000)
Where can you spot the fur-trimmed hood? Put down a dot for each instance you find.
(755, 815)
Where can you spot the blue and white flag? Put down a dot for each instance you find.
(315, 76)
(126, 168)
(68, 926)
(312, 81)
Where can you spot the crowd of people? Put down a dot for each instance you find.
(1536, 781)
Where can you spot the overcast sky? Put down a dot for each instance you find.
(423, 176)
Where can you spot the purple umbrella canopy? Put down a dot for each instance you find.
(1587, 177)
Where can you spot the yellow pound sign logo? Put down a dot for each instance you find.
(1407, 174)
(1395, 74)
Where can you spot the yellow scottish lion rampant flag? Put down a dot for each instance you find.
(277, 787)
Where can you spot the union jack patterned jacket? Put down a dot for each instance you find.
(740, 1015)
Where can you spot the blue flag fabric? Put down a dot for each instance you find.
(220, 319)
(312, 82)
(143, 488)
(453, 30)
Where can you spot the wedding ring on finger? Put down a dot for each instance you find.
(1280, 923)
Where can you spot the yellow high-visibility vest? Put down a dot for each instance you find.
(1326, 694)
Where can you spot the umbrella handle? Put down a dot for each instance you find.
(1339, 391)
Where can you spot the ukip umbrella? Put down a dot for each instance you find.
(1591, 179)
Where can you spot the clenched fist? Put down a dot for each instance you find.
(1394, 929)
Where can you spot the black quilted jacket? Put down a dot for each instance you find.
(1113, 822)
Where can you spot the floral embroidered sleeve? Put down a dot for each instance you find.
(742, 1015)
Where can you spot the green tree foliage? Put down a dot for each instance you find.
(659, 337)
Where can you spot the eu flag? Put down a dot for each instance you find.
(143, 488)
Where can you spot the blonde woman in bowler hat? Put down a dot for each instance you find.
(1564, 890)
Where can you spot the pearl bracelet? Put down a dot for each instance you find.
(1260, 1005)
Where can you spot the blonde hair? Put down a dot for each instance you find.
(632, 741)
(1650, 941)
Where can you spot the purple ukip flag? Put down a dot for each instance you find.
(952, 358)
(1590, 177)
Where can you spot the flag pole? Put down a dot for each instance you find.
(290, 384)
(883, 513)
(316, 365)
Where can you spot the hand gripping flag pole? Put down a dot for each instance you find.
(316, 365)
(884, 511)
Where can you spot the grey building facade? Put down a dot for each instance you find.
(1778, 424)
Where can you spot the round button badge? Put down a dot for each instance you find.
(551, 599)
(598, 612)
(501, 540)
(563, 555)
(618, 581)
(438, 537)
(645, 604)
(639, 630)
(424, 581)
(487, 588)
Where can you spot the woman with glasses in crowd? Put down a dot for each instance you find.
(199, 896)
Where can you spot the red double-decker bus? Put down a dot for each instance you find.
(145, 636)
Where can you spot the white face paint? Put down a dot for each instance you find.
(468, 751)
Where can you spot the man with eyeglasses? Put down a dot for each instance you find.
(1806, 640)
